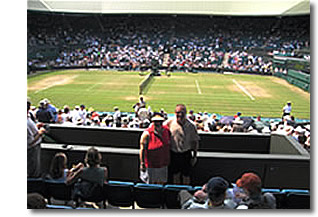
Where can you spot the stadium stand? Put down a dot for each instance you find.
(175, 43)
(132, 42)
(140, 195)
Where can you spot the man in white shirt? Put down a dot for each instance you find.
(117, 117)
(34, 138)
(82, 114)
(75, 114)
(184, 146)
(287, 109)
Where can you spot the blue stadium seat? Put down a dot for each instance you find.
(296, 199)
(120, 193)
(277, 194)
(298, 191)
(196, 188)
(50, 206)
(36, 185)
(171, 195)
(270, 190)
(58, 190)
(149, 195)
(99, 196)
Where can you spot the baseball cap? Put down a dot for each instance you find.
(217, 185)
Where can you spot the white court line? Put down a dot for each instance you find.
(198, 87)
(47, 87)
(91, 87)
(243, 89)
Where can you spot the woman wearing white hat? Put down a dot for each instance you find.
(155, 152)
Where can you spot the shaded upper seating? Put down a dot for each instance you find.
(126, 194)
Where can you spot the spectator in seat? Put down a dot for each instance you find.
(66, 115)
(75, 114)
(237, 125)
(299, 135)
(136, 108)
(83, 113)
(199, 123)
(59, 116)
(212, 123)
(143, 117)
(58, 167)
(254, 199)
(307, 143)
(89, 178)
(52, 109)
(191, 115)
(238, 116)
(212, 196)
(125, 122)
(43, 114)
(164, 114)
(90, 171)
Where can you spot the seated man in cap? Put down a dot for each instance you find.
(254, 199)
(155, 151)
(212, 196)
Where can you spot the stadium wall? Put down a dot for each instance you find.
(297, 72)
(280, 162)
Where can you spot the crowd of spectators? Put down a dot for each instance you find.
(142, 113)
(128, 42)
(89, 177)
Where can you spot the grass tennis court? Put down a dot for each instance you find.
(215, 93)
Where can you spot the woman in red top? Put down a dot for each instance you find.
(155, 151)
